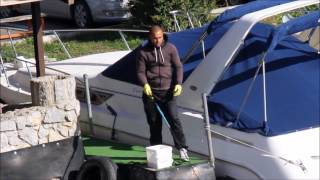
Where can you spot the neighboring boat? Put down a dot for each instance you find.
(263, 87)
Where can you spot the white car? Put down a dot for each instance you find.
(84, 12)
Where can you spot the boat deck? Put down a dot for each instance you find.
(132, 162)
(126, 154)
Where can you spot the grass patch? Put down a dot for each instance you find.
(124, 153)
(78, 45)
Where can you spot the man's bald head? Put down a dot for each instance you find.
(155, 28)
(156, 35)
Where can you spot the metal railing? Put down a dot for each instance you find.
(64, 48)
(189, 16)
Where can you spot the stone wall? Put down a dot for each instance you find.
(54, 118)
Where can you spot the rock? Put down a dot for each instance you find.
(73, 105)
(4, 143)
(72, 130)
(54, 119)
(77, 106)
(68, 124)
(14, 140)
(54, 136)
(47, 126)
(22, 145)
(63, 131)
(29, 135)
(71, 116)
(42, 90)
(64, 89)
(54, 115)
(36, 118)
(43, 140)
(60, 106)
(7, 126)
(21, 122)
(43, 132)
(7, 115)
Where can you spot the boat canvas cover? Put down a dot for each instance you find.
(292, 79)
(184, 40)
(292, 82)
(237, 12)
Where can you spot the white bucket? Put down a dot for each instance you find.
(159, 156)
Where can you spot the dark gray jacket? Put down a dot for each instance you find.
(160, 67)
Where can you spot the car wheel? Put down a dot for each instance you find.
(82, 15)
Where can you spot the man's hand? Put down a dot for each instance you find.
(177, 90)
(147, 90)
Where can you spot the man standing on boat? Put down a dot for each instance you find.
(160, 71)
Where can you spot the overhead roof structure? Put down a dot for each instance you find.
(37, 31)
(15, 2)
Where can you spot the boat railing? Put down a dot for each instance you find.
(189, 15)
(3, 70)
(120, 31)
(55, 33)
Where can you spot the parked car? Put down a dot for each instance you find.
(84, 12)
(5, 12)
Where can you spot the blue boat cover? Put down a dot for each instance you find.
(292, 79)
(239, 11)
(292, 83)
(296, 25)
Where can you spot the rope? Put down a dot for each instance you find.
(299, 163)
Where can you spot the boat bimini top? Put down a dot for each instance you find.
(282, 99)
(291, 82)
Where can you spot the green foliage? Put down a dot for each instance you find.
(148, 12)
(276, 20)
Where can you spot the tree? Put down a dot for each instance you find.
(148, 12)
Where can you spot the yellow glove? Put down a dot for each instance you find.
(147, 90)
(177, 90)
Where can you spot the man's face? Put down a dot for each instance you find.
(156, 38)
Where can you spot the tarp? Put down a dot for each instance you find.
(186, 38)
(239, 11)
(292, 85)
(299, 24)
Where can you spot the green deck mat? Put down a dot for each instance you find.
(124, 153)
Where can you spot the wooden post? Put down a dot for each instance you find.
(38, 41)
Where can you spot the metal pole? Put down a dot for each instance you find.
(176, 24)
(15, 52)
(12, 45)
(207, 128)
(86, 81)
(190, 21)
(264, 92)
(63, 46)
(175, 20)
(202, 43)
(124, 39)
(203, 50)
(250, 88)
(30, 74)
(26, 63)
(4, 70)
